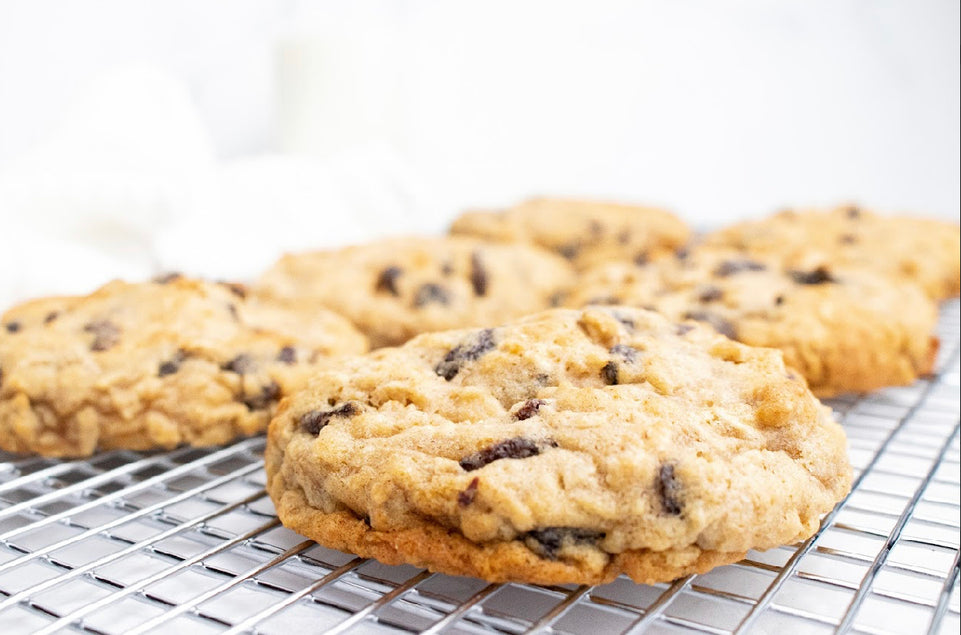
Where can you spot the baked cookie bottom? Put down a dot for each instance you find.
(441, 550)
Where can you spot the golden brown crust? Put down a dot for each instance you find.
(444, 551)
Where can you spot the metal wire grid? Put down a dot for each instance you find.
(187, 541)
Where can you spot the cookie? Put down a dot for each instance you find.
(584, 232)
(566, 447)
(844, 329)
(397, 288)
(154, 365)
(921, 250)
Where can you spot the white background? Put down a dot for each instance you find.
(208, 136)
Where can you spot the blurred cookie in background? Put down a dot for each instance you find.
(396, 288)
(845, 329)
(584, 232)
(154, 365)
(924, 251)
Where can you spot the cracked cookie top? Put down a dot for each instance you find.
(154, 364)
(568, 438)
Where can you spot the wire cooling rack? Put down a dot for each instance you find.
(187, 542)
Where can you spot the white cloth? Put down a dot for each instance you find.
(128, 186)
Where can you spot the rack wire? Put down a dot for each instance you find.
(187, 541)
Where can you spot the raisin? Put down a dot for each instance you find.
(604, 300)
(778, 300)
(847, 239)
(625, 352)
(431, 293)
(478, 274)
(668, 489)
(12, 327)
(467, 496)
(172, 365)
(287, 355)
(516, 448)
(569, 251)
(641, 259)
(481, 342)
(236, 288)
(721, 325)
(53, 315)
(557, 299)
(106, 334)
(821, 275)
(314, 421)
(627, 322)
(529, 409)
(710, 293)
(609, 373)
(853, 212)
(387, 281)
(548, 542)
(268, 394)
(242, 364)
(167, 278)
(730, 267)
